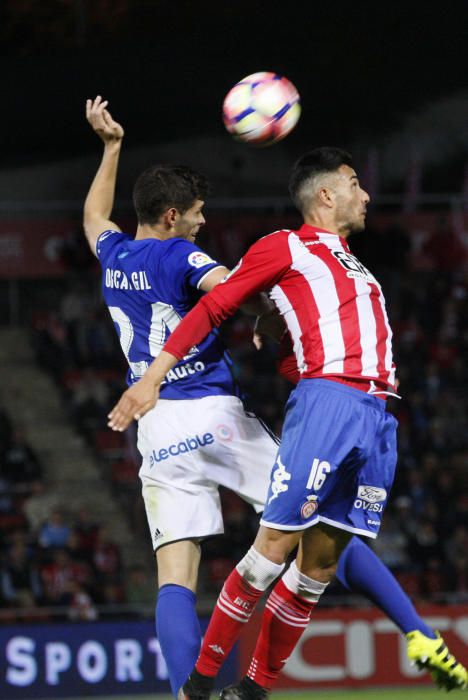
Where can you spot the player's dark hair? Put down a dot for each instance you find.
(325, 159)
(161, 187)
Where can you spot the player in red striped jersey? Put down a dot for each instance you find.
(330, 482)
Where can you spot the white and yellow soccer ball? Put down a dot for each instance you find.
(261, 109)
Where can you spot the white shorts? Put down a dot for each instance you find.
(189, 449)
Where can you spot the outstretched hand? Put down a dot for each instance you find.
(101, 120)
(142, 396)
(133, 404)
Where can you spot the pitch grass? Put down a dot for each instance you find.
(423, 693)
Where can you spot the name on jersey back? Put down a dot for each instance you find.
(116, 279)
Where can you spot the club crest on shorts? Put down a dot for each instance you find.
(309, 507)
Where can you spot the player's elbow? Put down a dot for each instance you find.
(92, 229)
(87, 221)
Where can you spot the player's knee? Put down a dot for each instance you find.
(178, 578)
(320, 562)
(321, 548)
(177, 563)
(276, 545)
(302, 585)
(320, 571)
(259, 571)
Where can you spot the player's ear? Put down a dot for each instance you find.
(170, 217)
(326, 196)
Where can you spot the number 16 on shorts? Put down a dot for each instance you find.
(318, 474)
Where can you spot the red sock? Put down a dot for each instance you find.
(284, 619)
(233, 609)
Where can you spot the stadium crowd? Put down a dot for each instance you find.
(50, 558)
(72, 562)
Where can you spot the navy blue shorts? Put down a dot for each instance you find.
(336, 462)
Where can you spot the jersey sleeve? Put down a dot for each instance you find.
(106, 242)
(189, 262)
(260, 269)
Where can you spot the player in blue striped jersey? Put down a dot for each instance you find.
(199, 436)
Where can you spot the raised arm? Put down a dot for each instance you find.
(100, 199)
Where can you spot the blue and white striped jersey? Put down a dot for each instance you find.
(148, 286)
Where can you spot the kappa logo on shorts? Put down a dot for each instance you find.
(279, 476)
(187, 445)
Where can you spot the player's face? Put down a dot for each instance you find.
(351, 202)
(189, 223)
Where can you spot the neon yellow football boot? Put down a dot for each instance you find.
(433, 655)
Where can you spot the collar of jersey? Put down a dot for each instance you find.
(308, 231)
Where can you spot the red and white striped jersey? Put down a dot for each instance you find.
(333, 306)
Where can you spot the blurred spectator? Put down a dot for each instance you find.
(6, 429)
(456, 547)
(74, 310)
(106, 557)
(54, 532)
(20, 463)
(41, 501)
(19, 578)
(457, 578)
(76, 257)
(76, 550)
(405, 517)
(12, 517)
(50, 343)
(391, 544)
(100, 339)
(86, 529)
(461, 507)
(417, 490)
(6, 501)
(424, 545)
(444, 249)
(60, 576)
(140, 587)
(81, 606)
(90, 401)
(113, 593)
(434, 579)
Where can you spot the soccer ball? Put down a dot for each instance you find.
(261, 109)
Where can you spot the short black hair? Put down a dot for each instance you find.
(161, 187)
(325, 159)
